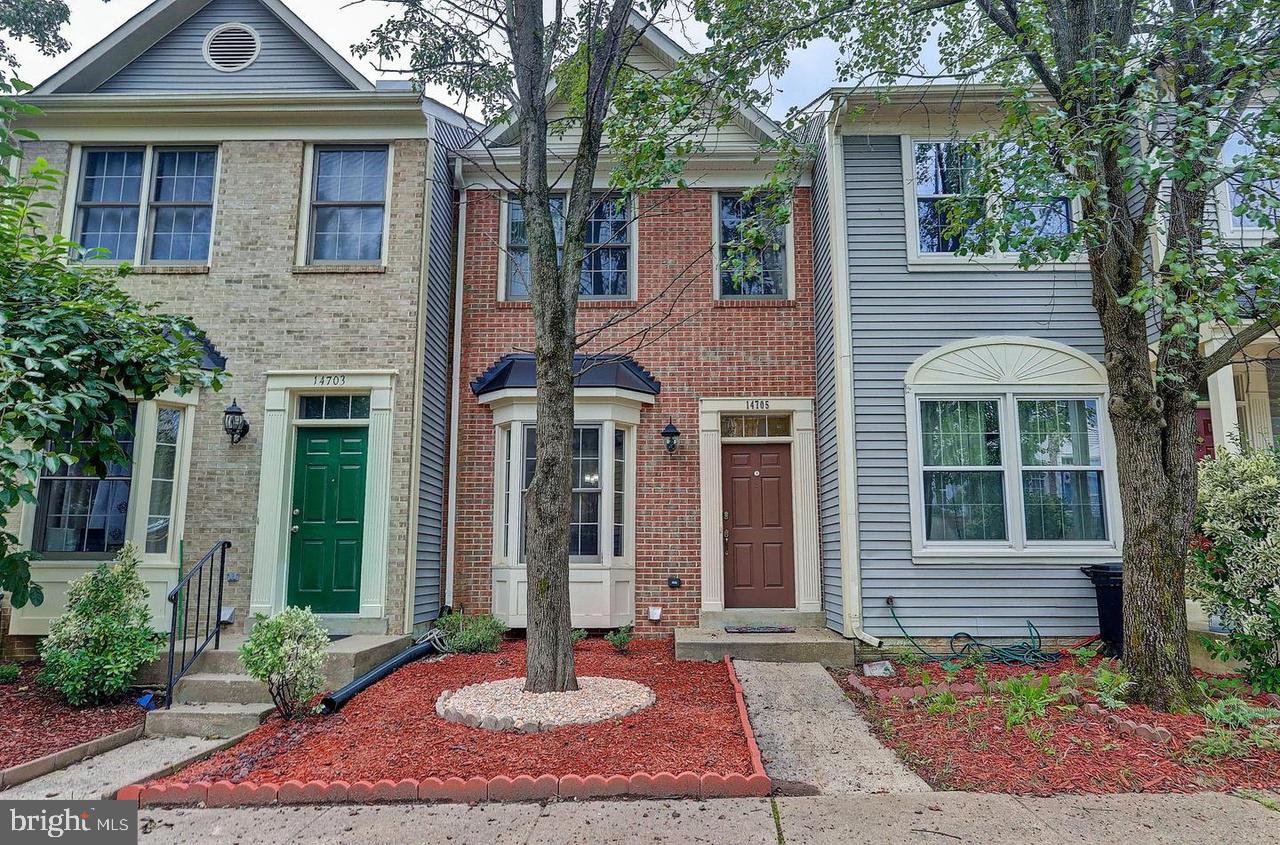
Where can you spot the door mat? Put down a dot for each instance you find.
(759, 629)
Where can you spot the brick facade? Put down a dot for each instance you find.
(264, 314)
(712, 349)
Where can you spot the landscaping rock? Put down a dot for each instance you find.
(504, 705)
(878, 669)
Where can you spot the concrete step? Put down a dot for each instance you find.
(806, 645)
(348, 658)
(760, 616)
(207, 720)
(220, 687)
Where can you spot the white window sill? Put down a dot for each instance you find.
(338, 269)
(1066, 555)
(613, 563)
(952, 261)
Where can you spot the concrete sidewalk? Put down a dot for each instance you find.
(944, 817)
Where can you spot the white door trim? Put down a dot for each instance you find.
(269, 588)
(804, 494)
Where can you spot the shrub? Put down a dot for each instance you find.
(621, 638)
(479, 632)
(94, 649)
(9, 672)
(578, 635)
(287, 653)
(1236, 564)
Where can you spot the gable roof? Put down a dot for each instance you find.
(501, 132)
(87, 72)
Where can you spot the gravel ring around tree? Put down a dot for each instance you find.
(505, 706)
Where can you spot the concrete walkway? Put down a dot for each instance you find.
(103, 776)
(945, 818)
(812, 739)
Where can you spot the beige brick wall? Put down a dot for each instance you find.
(262, 315)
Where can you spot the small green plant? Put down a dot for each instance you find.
(578, 635)
(1265, 737)
(940, 702)
(1237, 713)
(9, 672)
(95, 649)
(1215, 744)
(980, 678)
(287, 653)
(1026, 697)
(1221, 686)
(621, 638)
(1111, 686)
(472, 634)
(908, 658)
(1083, 654)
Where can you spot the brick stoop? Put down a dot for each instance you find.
(472, 790)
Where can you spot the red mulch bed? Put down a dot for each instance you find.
(1067, 751)
(391, 730)
(36, 722)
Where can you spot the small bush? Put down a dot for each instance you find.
(1112, 686)
(95, 649)
(1027, 696)
(287, 653)
(621, 638)
(479, 632)
(9, 672)
(1236, 564)
(578, 635)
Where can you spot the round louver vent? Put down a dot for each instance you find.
(232, 47)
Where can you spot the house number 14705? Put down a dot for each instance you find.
(330, 381)
(757, 404)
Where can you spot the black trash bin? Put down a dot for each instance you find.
(1108, 583)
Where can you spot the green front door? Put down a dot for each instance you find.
(327, 521)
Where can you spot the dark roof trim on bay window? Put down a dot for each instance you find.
(516, 371)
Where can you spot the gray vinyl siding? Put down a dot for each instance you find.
(436, 377)
(825, 405)
(897, 315)
(176, 63)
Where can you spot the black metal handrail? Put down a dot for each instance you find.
(206, 626)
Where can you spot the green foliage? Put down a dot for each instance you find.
(94, 649)
(287, 652)
(1112, 686)
(942, 701)
(75, 349)
(1236, 569)
(9, 672)
(1025, 698)
(1237, 713)
(1083, 654)
(1215, 744)
(620, 639)
(578, 635)
(472, 634)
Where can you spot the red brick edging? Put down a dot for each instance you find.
(224, 793)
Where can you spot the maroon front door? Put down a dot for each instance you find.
(1204, 433)
(759, 566)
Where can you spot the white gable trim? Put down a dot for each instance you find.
(148, 27)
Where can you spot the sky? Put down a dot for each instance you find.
(811, 72)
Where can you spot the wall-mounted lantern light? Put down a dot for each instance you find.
(671, 434)
(234, 423)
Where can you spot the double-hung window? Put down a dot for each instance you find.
(81, 515)
(1251, 205)
(758, 272)
(606, 260)
(147, 205)
(1012, 470)
(348, 205)
(585, 507)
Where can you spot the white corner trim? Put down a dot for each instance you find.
(456, 399)
(804, 497)
(269, 587)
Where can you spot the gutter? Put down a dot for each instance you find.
(459, 263)
(846, 435)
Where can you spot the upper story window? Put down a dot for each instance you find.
(606, 262)
(348, 204)
(1250, 206)
(763, 272)
(170, 188)
(947, 203)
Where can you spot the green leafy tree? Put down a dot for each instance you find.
(75, 350)
(516, 62)
(1152, 116)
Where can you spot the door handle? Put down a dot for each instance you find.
(293, 529)
(296, 511)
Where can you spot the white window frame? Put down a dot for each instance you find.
(302, 257)
(633, 252)
(1247, 235)
(917, 259)
(716, 246)
(146, 228)
(1007, 389)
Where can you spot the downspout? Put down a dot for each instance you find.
(420, 357)
(846, 437)
(459, 260)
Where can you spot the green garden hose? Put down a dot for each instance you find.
(965, 647)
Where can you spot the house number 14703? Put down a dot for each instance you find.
(330, 381)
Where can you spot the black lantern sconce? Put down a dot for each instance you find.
(234, 423)
(671, 434)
